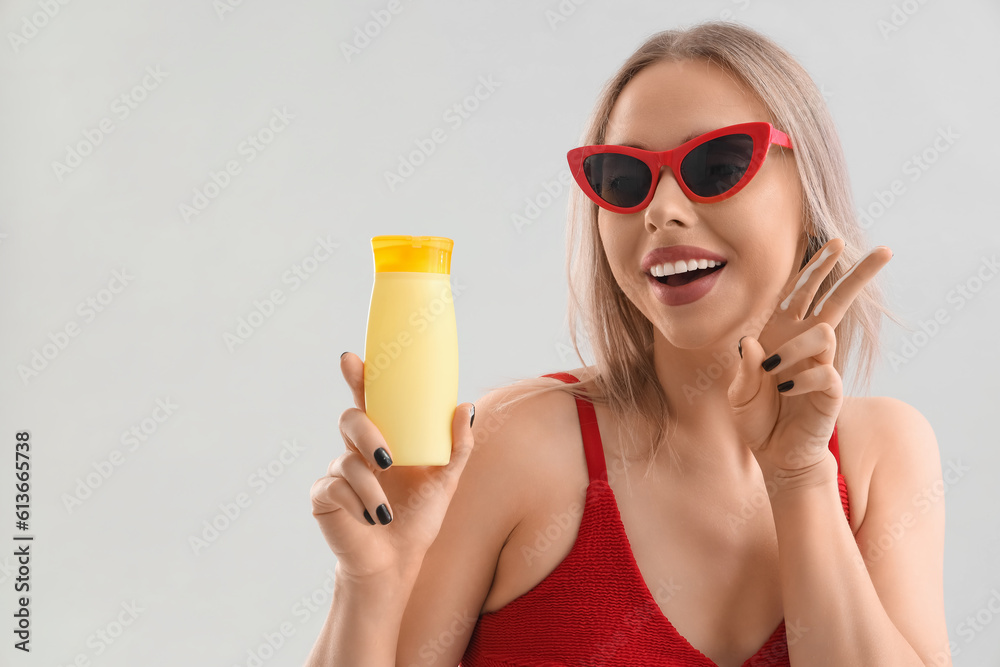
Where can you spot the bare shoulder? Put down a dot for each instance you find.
(879, 430)
(516, 430)
(884, 426)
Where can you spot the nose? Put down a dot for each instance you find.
(669, 203)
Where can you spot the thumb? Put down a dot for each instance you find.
(462, 440)
(749, 376)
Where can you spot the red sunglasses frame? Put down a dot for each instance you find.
(762, 133)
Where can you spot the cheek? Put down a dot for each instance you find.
(772, 215)
(612, 244)
(784, 190)
(617, 247)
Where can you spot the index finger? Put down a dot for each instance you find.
(843, 292)
(799, 294)
(353, 369)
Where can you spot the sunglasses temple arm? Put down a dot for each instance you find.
(780, 138)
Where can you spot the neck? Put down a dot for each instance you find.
(696, 385)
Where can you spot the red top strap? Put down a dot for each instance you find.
(592, 446)
(834, 447)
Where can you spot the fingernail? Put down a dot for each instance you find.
(739, 345)
(343, 353)
(473, 417)
(786, 385)
(382, 458)
(369, 518)
(770, 362)
(383, 514)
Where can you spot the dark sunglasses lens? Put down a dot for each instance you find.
(717, 165)
(620, 180)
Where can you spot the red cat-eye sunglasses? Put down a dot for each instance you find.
(709, 168)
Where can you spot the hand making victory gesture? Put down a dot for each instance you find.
(787, 395)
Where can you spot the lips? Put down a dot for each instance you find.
(678, 294)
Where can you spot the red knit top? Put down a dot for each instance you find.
(594, 608)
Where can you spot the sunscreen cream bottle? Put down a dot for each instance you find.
(411, 349)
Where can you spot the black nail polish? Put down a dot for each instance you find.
(343, 353)
(368, 517)
(382, 458)
(770, 362)
(383, 514)
(473, 417)
(739, 345)
(786, 385)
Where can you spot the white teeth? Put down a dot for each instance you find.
(682, 266)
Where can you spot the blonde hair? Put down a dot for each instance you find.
(621, 337)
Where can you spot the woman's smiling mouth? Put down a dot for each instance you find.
(683, 272)
(680, 288)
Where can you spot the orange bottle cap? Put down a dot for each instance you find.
(425, 254)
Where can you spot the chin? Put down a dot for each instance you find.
(698, 337)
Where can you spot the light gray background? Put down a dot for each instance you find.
(162, 336)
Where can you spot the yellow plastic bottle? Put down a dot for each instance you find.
(411, 349)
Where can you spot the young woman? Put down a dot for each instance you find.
(723, 281)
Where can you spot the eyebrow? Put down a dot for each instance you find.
(686, 139)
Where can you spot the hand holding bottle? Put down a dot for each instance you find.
(407, 504)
